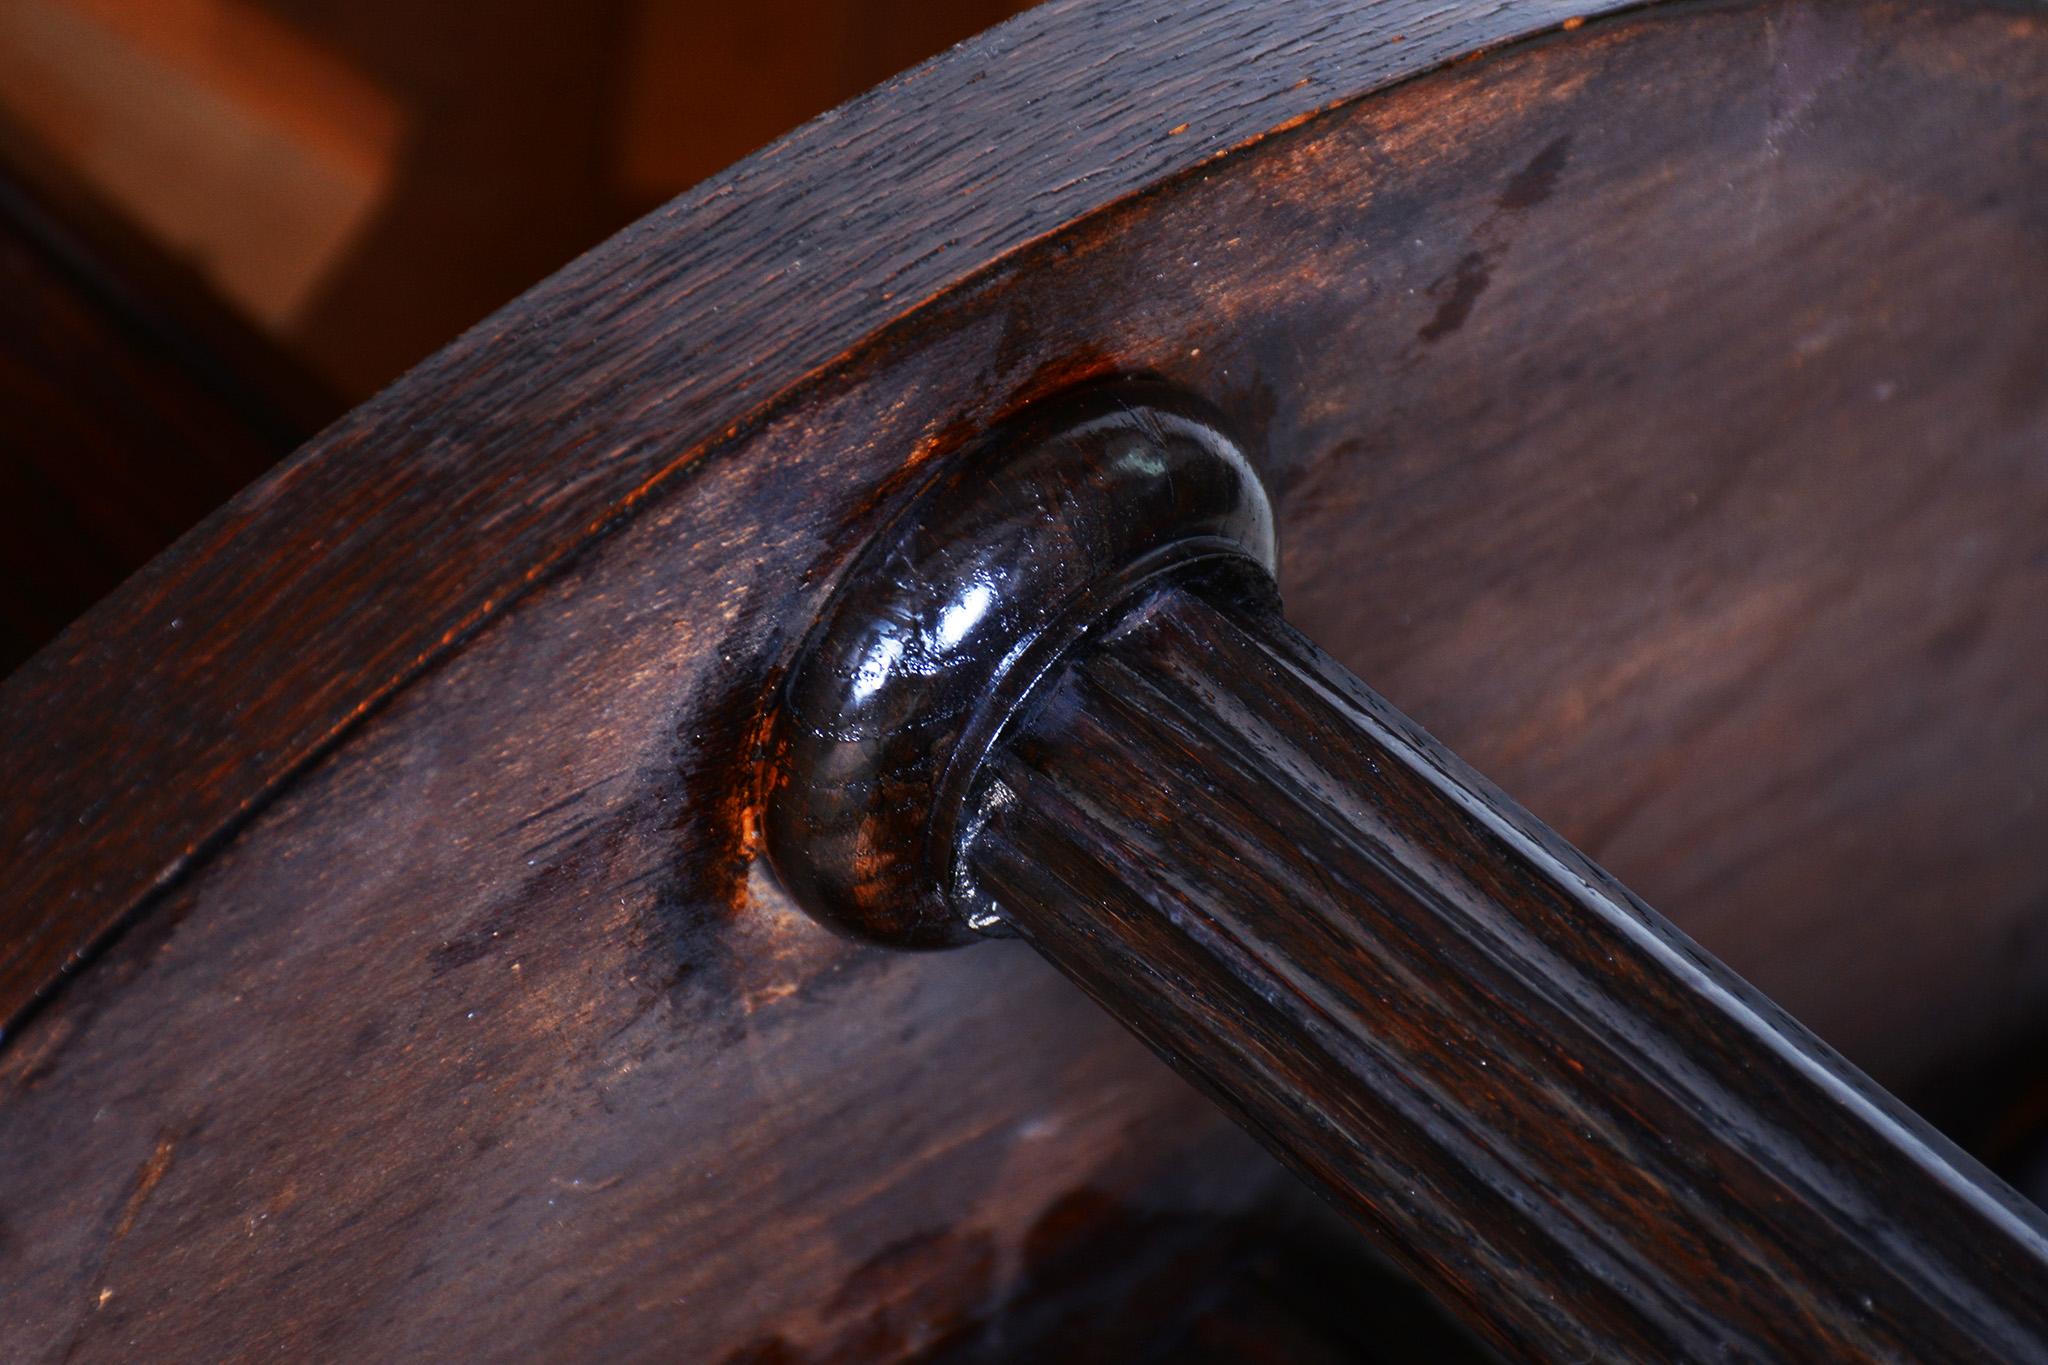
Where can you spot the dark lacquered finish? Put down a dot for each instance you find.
(1654, 410)
(956, 612)
(1544, 1099)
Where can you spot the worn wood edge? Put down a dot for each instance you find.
(190, 696)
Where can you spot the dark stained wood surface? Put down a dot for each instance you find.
(427, 511)
(1654, 418)
(1553, 1107)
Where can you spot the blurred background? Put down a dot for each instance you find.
(223, 222)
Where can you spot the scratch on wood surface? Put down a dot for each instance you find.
(146, 1181)
(154, 1168)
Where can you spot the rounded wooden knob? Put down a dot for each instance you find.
(947, 621)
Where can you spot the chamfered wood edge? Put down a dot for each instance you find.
(228, 664)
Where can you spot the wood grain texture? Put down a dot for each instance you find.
(485, 1039)
(1718, 469)
(425, 512)
(1555, 1108)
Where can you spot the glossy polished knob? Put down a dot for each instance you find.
(957, 612)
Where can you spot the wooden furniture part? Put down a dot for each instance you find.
(1651, 405)
(1057, 699)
